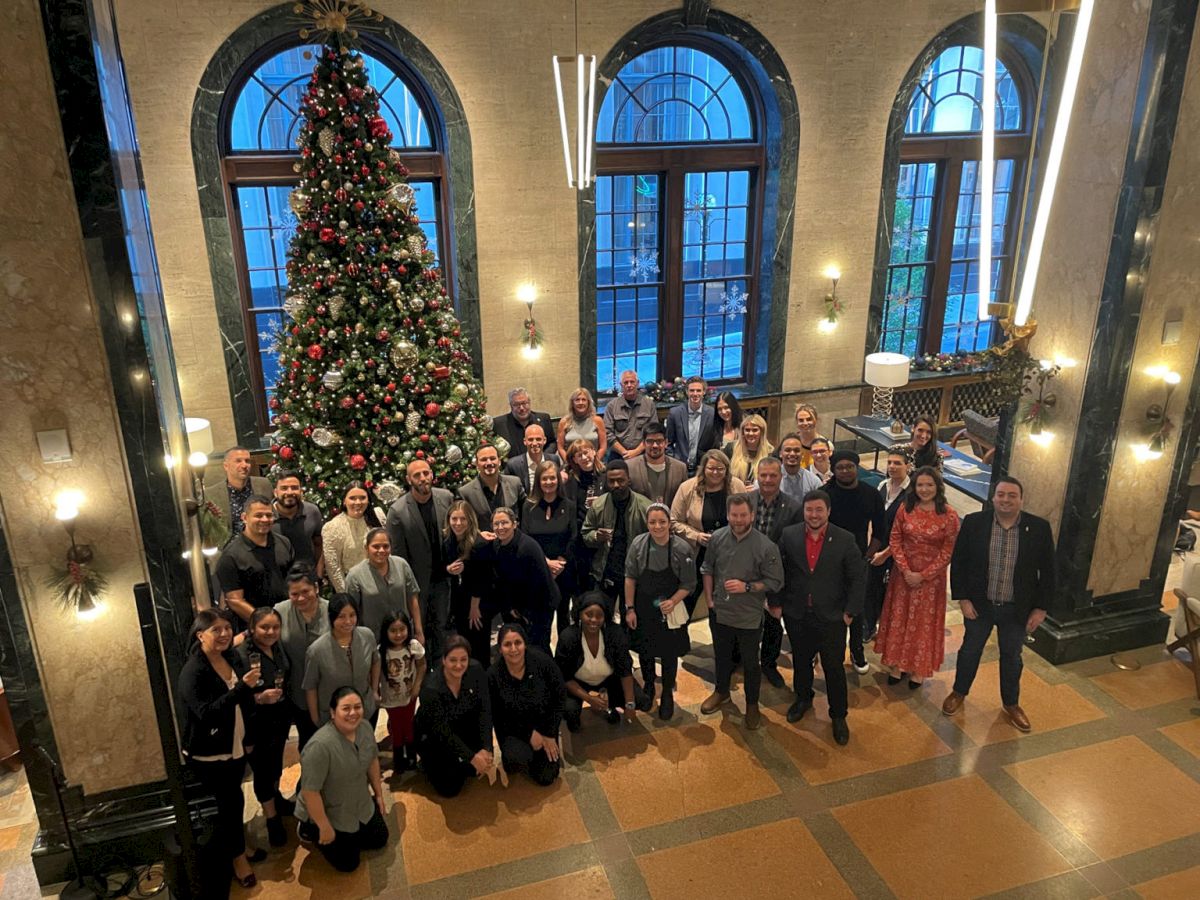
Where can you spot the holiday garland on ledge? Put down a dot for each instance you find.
(374, 368)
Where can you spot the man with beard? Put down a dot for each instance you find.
(298, 520)
(252, 569)
(614, 520)
(490, 489)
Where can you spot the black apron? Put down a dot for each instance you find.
(652, 636)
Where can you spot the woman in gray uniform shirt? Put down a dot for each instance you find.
(384, 584)
(304, 618)
(347, 655)
(340, 763)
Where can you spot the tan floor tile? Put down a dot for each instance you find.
(672, 773)
(954, 638)
(483, 826)
(304, 874)
(743, 864)
(1049, 706)
(1186, 735)
(1150, 685)
(690, 689)
(587, 884)
(1169, 601)
(958, 835)
(883, 734)
(1113, 795)
(9, 837)
(1183, 885)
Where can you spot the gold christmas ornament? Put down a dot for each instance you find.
(404, 354)
(325, 139)
(298, 201)
(402, 197)
(335, 22)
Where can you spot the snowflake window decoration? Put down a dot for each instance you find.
(733, 302)
(644, 265)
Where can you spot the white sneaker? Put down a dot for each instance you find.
(863, 669)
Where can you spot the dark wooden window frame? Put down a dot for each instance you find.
(251, 168)
(949, 151)
(672, 162)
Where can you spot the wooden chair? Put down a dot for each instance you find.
(1191, 640)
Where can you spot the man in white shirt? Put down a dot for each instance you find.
(690, 425)
(524, 467)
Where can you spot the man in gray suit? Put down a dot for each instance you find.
(824, 579)
(690, 425)
(489, 490)
(231, 492)
(654, 474)
(414, 525)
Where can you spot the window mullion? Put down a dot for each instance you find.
(670, 330)
(935, 309)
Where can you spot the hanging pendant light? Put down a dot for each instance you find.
(580, 175)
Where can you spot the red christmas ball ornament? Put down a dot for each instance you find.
(432, 409)
(420, 454)
(322, 485)
(378, 126)
(340, 195)
(424, 439)
(352, 269)
(315, 351)
(382, 335)
(342, 102)
(444, 343)
(286, 453)
(327, 235)
(441, 373)
(387, 398)
(434, 303)
(356, 93)
(358, 462)
(274, 403)
(407, 379)
(347, 403)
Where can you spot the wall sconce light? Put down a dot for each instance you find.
(1037, 413)
(1157, 416)
(214, 530)
(833, 306)
(532, 337)
(78, 587)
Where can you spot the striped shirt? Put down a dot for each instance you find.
(1002, 560)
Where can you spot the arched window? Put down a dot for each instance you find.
(260, 124)
(931, 296)
(679, 160)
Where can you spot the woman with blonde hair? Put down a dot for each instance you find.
(751, 446)
(470, 579)
(699, 506)
(581, 423)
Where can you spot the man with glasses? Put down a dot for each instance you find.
(511, 426)
(654, 474)
(822, 465)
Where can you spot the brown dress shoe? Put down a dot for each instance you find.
(953, 703)
(753, 717)
(1017, 717)
(713, 703)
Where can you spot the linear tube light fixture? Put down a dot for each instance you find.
(1054, 161)
(579, 175)
(987, 164)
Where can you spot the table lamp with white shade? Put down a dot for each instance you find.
(885, 372)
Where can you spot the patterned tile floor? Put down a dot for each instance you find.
(1101, 799)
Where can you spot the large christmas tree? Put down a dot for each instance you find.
(374, 369)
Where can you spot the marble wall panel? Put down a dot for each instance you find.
(1127, 535)
(55, 375)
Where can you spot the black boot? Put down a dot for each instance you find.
(275, 831)
(666, 704)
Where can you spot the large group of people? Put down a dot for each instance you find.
(479, 622)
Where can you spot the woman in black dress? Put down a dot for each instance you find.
(470, 572)
(216, 696)
(660, 573)
(454, 720)
(593, 657)
(527, 706)
(585, 482)
(523, 587)
(272, 718)
(549, 518)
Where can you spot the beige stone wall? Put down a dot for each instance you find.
(1137, 490)
(1071, 276)
(55, 376)
(846, 61)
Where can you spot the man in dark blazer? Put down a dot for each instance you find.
(491, 489)
(511, 426)
(524, 466)
(1002, 575)
(414, 525)
(691, 419)
(824, 578)
(669, 473)
(773, 511)
(231, 492)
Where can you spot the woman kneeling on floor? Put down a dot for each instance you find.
(454, 720)
(593, 657)
(527, 706)
(336, 809)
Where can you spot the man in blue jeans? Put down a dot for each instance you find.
(1002, 574)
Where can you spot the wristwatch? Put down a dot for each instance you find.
(747, 586)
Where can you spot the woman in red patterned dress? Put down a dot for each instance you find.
(911, 637)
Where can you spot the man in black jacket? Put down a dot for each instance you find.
(824, 577)
(1002, 575)
(511, 426)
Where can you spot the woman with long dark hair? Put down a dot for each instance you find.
(347, 655)
(526, 690)
(727, 424)
(549, 518)
(344, 537)
(216, 698)
(471, 610)
(454, 720)
(305, 617)
(911, 637)
(924, 444)
(272, 718)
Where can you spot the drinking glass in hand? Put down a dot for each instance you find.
(279, 681)
(256, 665)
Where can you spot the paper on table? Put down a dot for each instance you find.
(961, 467)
